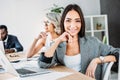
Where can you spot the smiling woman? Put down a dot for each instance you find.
(76, 50)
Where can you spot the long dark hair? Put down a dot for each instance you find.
(79, 11)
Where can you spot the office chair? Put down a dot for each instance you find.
(106, 70)
(119, 68)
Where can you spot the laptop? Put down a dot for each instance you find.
(2, 70)
(2, 47)
(22, 71)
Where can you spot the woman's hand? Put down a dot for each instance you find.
(65, 37)
(91, 68)
(42, 36)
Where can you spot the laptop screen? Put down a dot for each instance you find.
(2, 47)
(6, 64)
(25, 71)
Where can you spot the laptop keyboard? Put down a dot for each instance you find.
(24, 71)
(30, 70)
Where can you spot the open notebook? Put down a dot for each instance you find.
(22, 71)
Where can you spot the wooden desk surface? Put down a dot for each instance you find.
(6, 76)
(75, 76)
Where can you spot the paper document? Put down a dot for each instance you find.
(25, 64)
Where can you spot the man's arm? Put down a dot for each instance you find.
(18, 46)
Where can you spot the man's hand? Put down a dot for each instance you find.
(7, 51)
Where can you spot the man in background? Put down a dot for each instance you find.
(11, 43)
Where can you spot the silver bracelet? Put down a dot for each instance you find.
(102, 59)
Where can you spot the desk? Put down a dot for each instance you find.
(75, 76)
(6, 76)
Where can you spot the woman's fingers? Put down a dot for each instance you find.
(90, 73)
(66, 37)
(42, 35)
(69, 38)
(63, 37)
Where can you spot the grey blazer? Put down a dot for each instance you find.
(90, 48)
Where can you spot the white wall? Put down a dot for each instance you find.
(24, 17)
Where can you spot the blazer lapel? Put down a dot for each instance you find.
(61, 50)
(84, 54)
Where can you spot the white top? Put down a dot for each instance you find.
(73, 62)
(47, 44)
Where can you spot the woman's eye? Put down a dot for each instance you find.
(67, 20)
(78, 21)
(45, 24)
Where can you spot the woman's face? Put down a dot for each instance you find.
(48, 26)
(72, 23)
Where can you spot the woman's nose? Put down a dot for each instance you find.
(72, 25)
(45, 24)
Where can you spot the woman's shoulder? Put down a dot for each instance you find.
(90, 39)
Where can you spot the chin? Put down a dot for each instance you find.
(73, 34)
